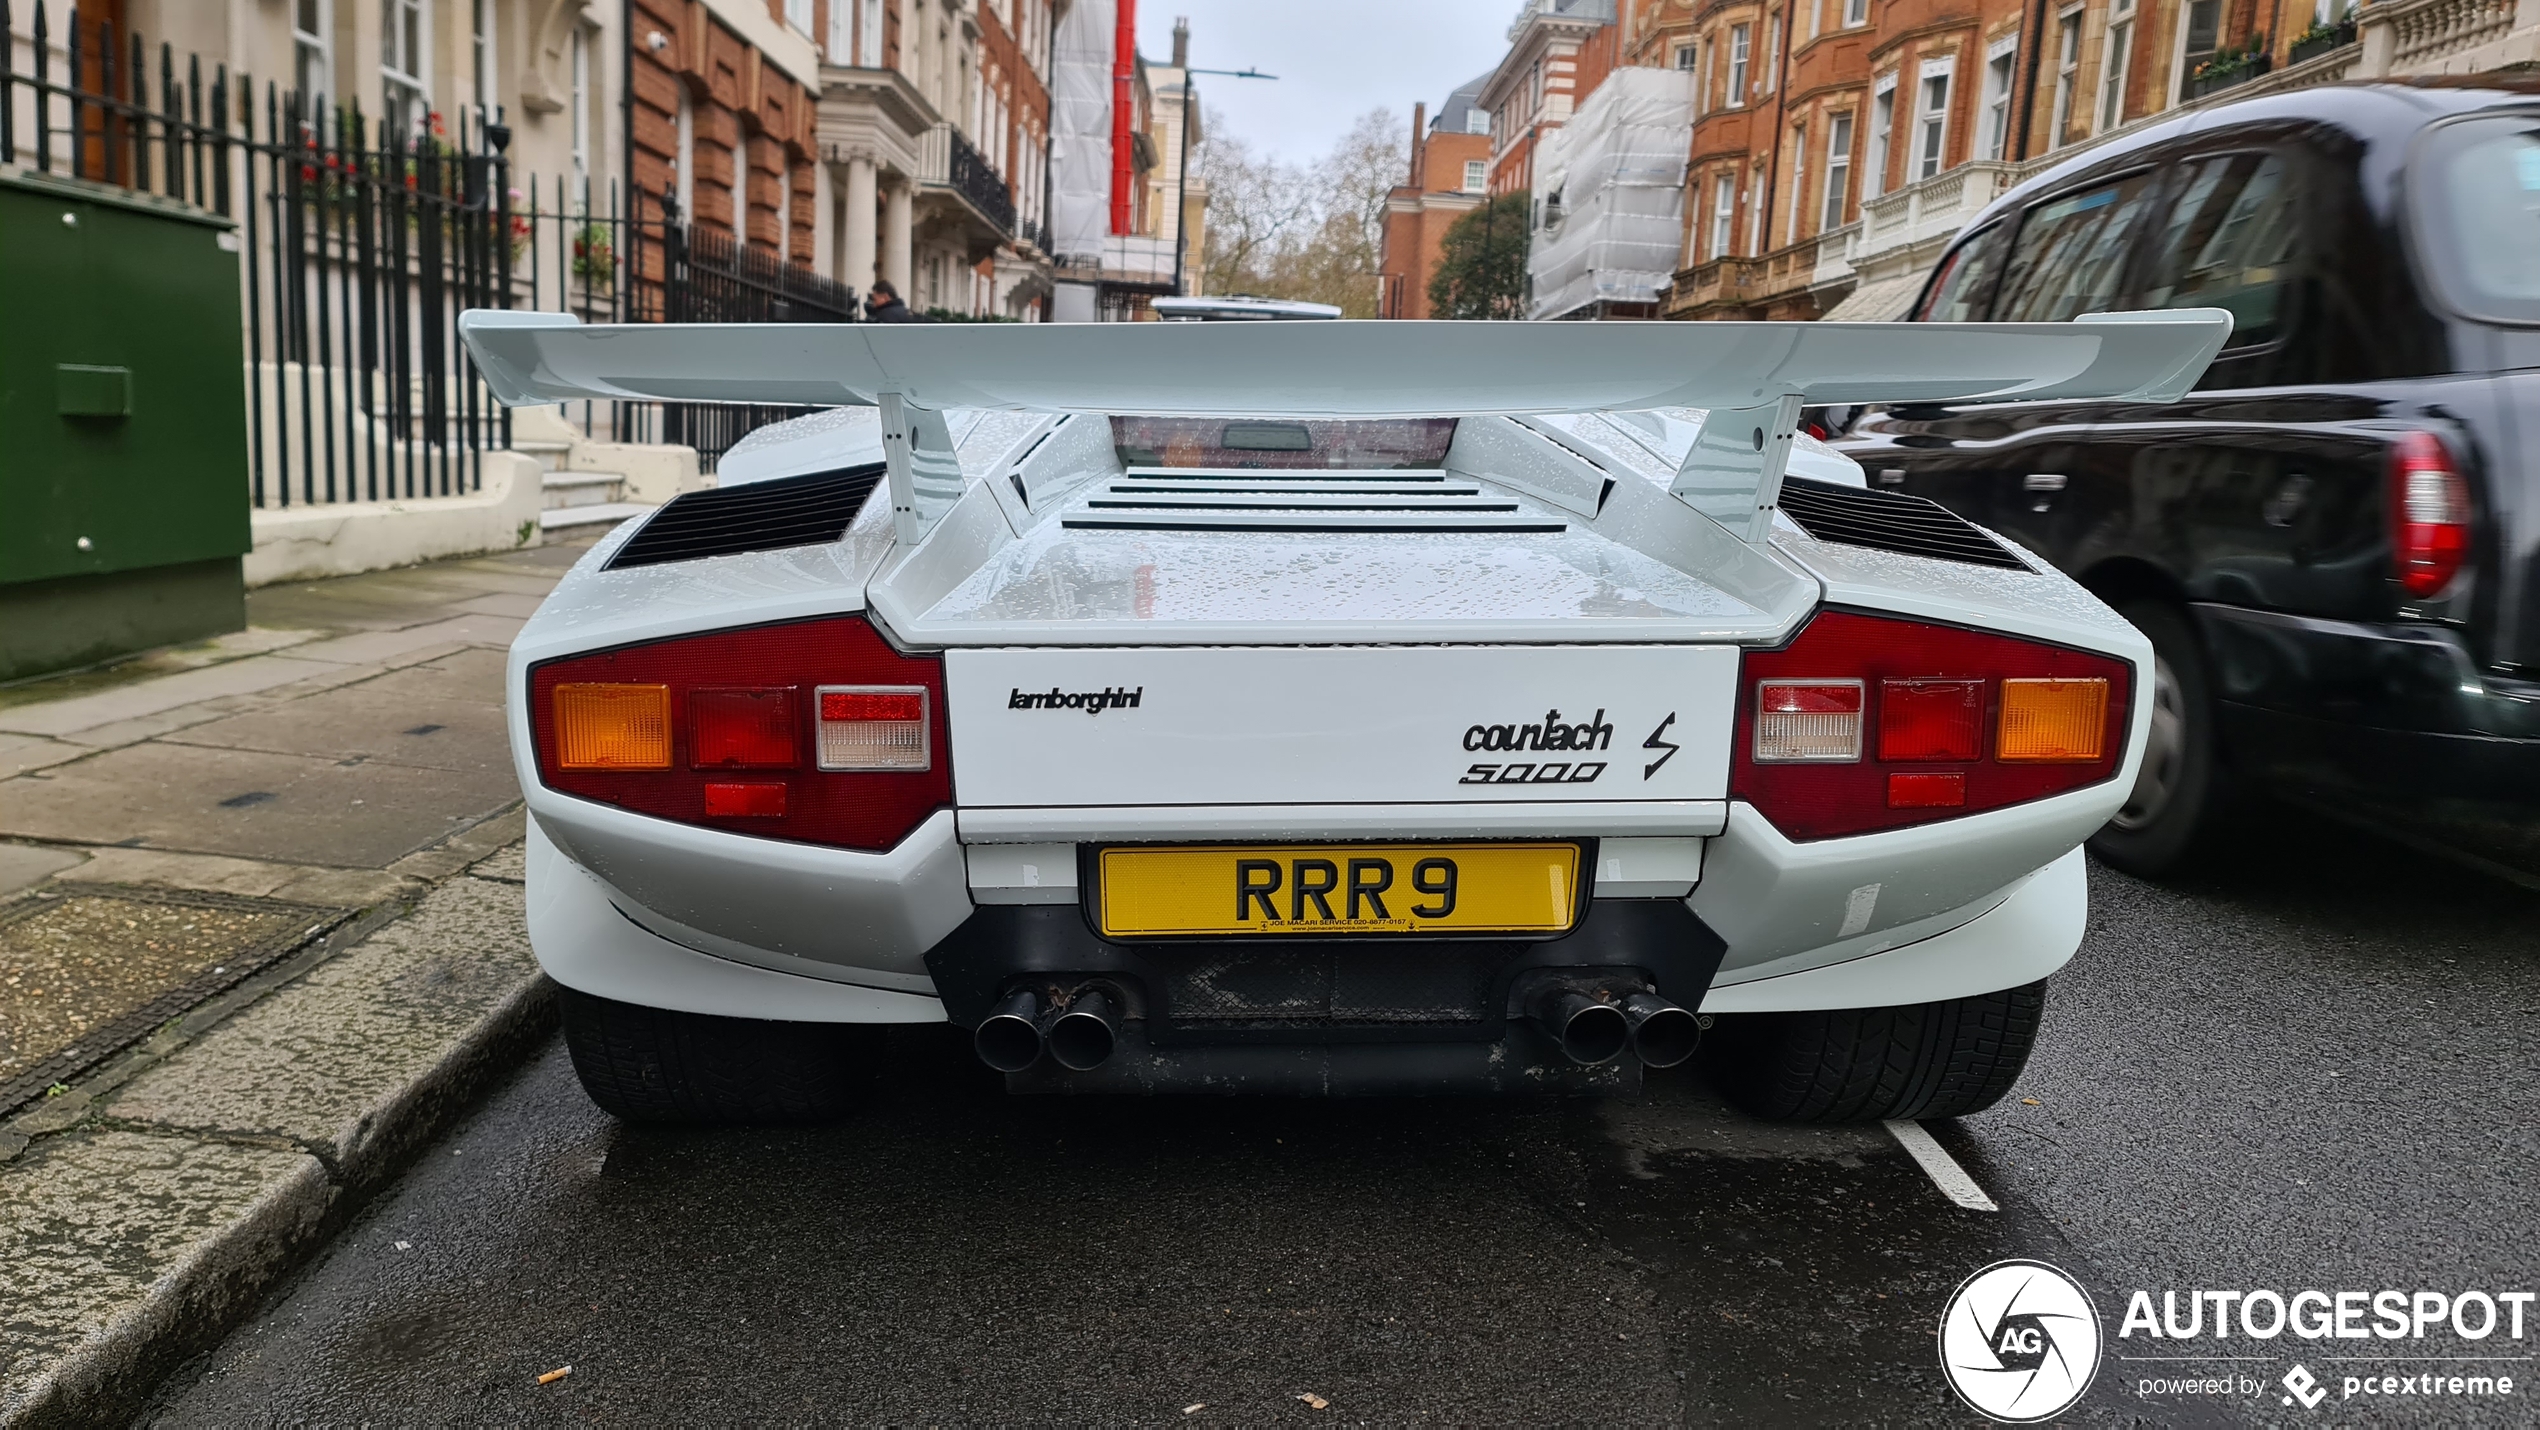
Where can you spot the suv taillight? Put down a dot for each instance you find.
(814, 731)
(2429, 515)
(1867, 722)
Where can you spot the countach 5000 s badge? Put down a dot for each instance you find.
(1551, 733)
(1092, 702)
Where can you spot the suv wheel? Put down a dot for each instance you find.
(654, 1065)
(1873, 1064)
(2180, 785)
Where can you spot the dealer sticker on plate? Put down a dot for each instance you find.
(1218, 890)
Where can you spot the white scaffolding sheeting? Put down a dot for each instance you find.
(1080, 132)
(1610, 195)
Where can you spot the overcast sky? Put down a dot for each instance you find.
(1335, 59)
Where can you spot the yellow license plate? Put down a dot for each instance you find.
(1216, 890)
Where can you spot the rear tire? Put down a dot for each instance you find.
(1872, 1064)
(2180, 787)
(655, 1065)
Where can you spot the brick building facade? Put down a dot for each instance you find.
(1449, 178)
(722, 119)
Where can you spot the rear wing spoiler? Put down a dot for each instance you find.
(1753, 377)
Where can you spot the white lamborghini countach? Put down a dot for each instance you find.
(1318, 707)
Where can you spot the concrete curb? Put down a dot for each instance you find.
(310, 1188)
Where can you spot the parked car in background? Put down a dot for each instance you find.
(2334, 540)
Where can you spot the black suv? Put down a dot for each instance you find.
(2334, 541)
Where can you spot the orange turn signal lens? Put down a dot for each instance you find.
(612, 727)
(2049, 721)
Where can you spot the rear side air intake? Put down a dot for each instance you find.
(1891, 521)
(809, 510)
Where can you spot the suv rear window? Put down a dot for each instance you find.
(2477, 209)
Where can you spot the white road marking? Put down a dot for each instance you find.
(1943, 1169)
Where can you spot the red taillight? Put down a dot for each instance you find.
(738, 729)
(1958, 721)
(2429, 515)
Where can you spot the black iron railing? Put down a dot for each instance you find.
(362, 242)
(975, 179)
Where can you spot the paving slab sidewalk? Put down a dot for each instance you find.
(342, 760)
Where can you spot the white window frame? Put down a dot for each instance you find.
(411, 85)
(1798, 181)
(1755, 213)
(2001, 76)
(687, 172)
(579, 65)
(1476, 175)
(1684, 54)
(1723, 213)
(838, 46)
(485, 54)
(798, 17)
(1856, 13)
(313, 51)
(2116, 50)
(1772, 49)
(1838, 171)
(1816, 16)
(1882, 135)
(1741, 63)
(1931, 116)
(868, 35)
(2068, 36)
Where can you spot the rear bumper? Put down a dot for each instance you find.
(2395, 710)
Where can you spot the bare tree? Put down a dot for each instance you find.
(1312, 232)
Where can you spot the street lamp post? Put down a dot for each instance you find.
(1182, 167)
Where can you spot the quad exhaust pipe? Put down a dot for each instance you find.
(1595, 1027)
(1080, 1033)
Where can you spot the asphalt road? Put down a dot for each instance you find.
(2310, 1065)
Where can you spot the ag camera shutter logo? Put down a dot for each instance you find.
(2020, 1341)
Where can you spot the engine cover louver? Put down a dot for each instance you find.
(808, 510)
(1891, 521)
(1301, 500)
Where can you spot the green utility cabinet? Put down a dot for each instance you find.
(123, 424)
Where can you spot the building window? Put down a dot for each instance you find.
(1476, 120)
(581, 103)
(1755, 212)
(1815, 9)
(1882, 127)
(798, 16)
(686, 176)
(1838, 171)
(1798, 181)
(1476, 175)
(839, 47)
(1932, 129)
(740, 186)
(1738, 58)
(2113, 73)
(1772, 48)
(1998, 69)
(868, 39)
(2067, 76)
(488, 78)
(402, 47)
(2198, 38)
(1723, 214)
(312, 67)
(1856, 12)
(1684, 57)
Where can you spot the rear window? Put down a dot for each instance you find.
(2071, 252)
(2231, 242)
(1965, 284)
(2477, 203)
(1275, 444)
